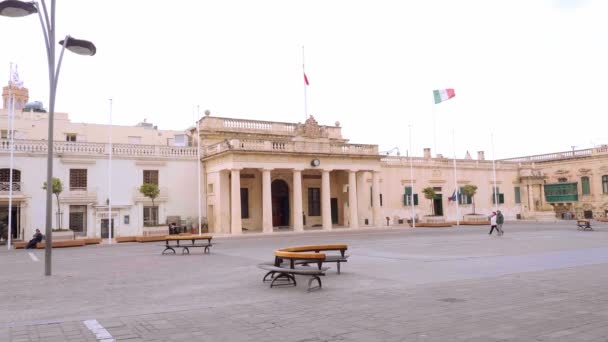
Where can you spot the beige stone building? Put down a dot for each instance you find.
(260, 176)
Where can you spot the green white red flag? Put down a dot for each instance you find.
(441, 95)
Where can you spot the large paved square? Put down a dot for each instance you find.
(539, 282)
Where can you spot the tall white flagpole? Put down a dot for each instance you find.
(305, 85)
(434, 127)
(412, 181)
(494, 172)
(11, 132)
(110, 180)
(198, 166)
(456, 181)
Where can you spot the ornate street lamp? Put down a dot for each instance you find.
(15, 8)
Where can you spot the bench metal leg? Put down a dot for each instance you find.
(206, 251)
(168, 248)
(316, 287)
(271, 274)
(338, 267)
(185, 250)
(284, 279)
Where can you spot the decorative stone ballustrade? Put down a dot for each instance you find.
(290, 146)
(99, 149)
(444, 162)
(602, 150)
(79, 195)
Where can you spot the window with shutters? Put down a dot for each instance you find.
(496, 194)
(605, 184)
(463, 198)
(78, 179)
(70, 137)
(150, 216)
(586, 189)
(151, 177)
(517, 195)
(245, 203)
(314, 202)
(408, 195)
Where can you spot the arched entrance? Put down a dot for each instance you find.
(280, 203)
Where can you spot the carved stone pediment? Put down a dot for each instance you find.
(562, 172)
(604, 168)
(584, 171)
(311, 129)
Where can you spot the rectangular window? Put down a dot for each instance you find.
(210, 188)
(78, 179)
(380, 199)
(135, 140)
(407, 197)
(180, 140)
(244, 203)
(462, 198)
(585, 186)
(605, 184)
(151, 177)
(70, 137)
(314, 202)
(78, 219)
(150, 216)
(496, 193)
(517, 195)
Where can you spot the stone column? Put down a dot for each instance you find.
(352, 199)
(236, 226)
(542, 194)
(298, 222)
(325, 200)
(530, 199)
(266, 202)
(376, 199)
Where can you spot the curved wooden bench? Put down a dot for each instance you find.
(319, 248)
(150, 238)
(92, 241)
(283, 273)
(434, 225)
(475, 223)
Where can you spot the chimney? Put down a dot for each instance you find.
(480, 155)
(427, 153)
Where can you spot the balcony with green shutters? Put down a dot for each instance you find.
(561, 192)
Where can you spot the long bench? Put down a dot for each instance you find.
(62, 243)
(342, 257)
(173, 241)
(583, 224)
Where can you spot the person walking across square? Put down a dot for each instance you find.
(493, 224)
(500, 219)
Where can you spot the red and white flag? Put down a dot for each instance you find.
(305, 79)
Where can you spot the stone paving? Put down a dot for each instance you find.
(539, 282)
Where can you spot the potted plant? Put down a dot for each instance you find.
(150, 190)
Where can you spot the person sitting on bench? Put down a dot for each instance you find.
(35, 239)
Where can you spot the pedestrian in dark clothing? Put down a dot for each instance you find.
(500, 219)
(35, 239)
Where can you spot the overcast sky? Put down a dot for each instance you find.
(532, 73)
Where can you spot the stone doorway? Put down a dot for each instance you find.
(280, 203)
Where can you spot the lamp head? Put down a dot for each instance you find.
(16, 8)
(79, 46)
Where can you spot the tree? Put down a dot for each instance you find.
(149, 190)
(469, 191)
(57, 189)
(429, 193)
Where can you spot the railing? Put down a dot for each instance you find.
(443, 162)
(560, 155)
(263, 127)
(82, 148)
(290, 146)
(6, 186)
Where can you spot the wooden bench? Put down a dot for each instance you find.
(283, 273)
(126, 238)
(584, 224)
(150, 238)
(342, 257)
(19, 244)
(169, 239)
(62, 243)
(92, 241)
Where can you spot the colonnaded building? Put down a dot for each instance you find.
(262, 176)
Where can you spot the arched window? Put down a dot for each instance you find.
(605, 184)
(585, 185)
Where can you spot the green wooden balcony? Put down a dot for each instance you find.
(561, 192)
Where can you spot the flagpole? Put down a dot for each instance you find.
(11, 130)
(198, 165)
(412, 180)
(110, 225)
(456, 181)
(305, 85)
(494, 172)
(434, 128)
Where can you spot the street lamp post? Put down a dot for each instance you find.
(16, 8)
